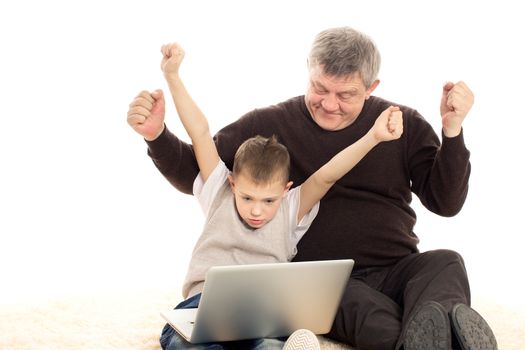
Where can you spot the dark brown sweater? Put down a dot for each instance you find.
(366, 215)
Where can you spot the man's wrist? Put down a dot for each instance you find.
(154, 137)
(452, 132)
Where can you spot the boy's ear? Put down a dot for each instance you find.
(288, 186)
(231, 181)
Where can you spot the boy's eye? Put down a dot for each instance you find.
(269, 201)
(246, 198)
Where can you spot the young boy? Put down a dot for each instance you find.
(252, 214)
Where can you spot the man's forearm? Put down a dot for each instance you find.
(447, 186)
(175, 160)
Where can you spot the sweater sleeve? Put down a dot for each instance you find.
(440, 172)
(176, 160)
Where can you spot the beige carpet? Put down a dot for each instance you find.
(132, 321)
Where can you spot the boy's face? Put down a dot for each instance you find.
(257, 204)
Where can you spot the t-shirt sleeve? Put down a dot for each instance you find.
(298, 229)
(205, 192)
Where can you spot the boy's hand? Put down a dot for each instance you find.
(146, 114)
(389, 125)
(172, 56)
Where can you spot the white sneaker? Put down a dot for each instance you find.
(302, 339)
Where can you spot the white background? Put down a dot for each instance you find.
(82, 208)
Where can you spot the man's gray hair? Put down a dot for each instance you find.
(343, 51)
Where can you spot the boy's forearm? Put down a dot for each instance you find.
(316, 186)
(191, 116)
(196, 126)
(345, 160)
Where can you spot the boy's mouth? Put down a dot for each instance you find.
(255, 222)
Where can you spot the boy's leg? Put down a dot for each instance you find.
(301, 339)
(171, 340)
(260, 344)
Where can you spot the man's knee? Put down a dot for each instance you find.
(449, 254)
(444, 257)
(446, 269)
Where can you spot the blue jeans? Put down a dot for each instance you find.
(171, 340)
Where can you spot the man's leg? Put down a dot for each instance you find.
(367, 318)
(380, 300)
(470, 330)
(437, 277)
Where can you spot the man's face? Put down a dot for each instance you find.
(336, 102)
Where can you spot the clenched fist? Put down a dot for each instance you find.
(146, 114)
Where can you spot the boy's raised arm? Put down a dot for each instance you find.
(191, 116)
(388, 126)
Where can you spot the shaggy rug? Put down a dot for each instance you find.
(131, 321)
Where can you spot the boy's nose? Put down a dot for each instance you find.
(256, 210)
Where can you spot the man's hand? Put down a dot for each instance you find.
(146, 114)
(456, 102)
(172, 56)
(389, 125)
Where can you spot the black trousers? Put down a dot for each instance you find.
(378, 301)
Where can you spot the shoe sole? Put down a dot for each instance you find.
(470, 329)
(428, 329)
(302, 339)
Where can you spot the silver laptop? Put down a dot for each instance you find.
(264, 300)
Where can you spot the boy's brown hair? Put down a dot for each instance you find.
(263, 159)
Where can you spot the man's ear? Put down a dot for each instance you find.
(372, 88)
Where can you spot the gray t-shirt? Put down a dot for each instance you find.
(226, 240)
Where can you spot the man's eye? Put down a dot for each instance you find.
(318, 90)
(346, 96)
(270, 201)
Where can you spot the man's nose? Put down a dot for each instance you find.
(330, 103)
